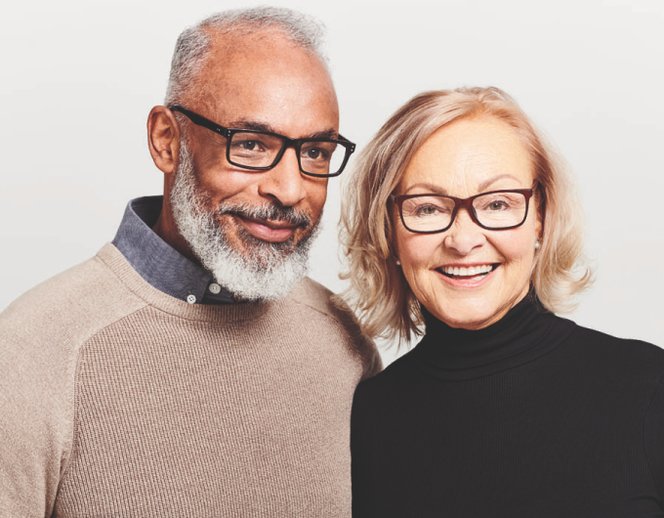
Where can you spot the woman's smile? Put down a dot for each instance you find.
(467, 276)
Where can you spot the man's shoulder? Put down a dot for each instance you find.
(315, 296)
(70, 306)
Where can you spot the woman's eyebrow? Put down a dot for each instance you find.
(481, 187)
(437, 189)
(431, 187)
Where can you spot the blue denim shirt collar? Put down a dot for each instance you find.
(159, 263)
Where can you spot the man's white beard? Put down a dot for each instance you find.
(267, 270)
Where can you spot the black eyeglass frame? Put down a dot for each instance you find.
(461, 203)
(295, 143)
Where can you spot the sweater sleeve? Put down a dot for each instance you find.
(654, 438)
(35, 418)
(41, 335)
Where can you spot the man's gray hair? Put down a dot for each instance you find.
(194, 42)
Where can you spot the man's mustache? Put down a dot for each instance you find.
(267, 212)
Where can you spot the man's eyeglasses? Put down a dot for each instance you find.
(493, 210)
(261, 150)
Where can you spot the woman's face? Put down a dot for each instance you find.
(468, 157)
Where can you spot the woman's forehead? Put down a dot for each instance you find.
(472, 154)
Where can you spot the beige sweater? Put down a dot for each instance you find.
(118, 400)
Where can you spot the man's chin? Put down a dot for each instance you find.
(254, 269)
(260, 277)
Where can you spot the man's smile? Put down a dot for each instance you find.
(273, 231)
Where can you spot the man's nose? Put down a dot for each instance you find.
(284, 182)
(464, 235)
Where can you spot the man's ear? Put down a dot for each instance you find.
(163, 139)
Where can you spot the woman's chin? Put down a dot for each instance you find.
(469, 316)
(470, 324)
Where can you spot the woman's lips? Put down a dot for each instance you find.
(271, 231)
(467, 276)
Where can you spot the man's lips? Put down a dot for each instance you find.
(268, 230)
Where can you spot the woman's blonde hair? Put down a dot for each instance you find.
(384, 302)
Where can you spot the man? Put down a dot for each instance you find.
(189, 369)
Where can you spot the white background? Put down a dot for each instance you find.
(78, 77)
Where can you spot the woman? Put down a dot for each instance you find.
(461, 226)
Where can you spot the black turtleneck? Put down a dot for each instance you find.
(531, 417)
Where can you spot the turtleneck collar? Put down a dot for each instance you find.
(523, 334)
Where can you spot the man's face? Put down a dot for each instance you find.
(263, 218)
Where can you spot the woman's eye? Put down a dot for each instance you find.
(498, 205)
(427, 210)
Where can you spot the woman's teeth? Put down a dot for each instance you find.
(467, 271)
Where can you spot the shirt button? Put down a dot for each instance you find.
(191, 299)
(214, 288)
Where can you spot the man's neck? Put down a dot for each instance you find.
(166, 229)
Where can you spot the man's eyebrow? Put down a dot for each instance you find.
(328, 133)
(261, 126)
(250, 125)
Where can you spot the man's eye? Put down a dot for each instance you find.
(315, 153)
(249, 145)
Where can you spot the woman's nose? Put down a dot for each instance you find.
(464, 235)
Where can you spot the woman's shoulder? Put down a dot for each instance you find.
(628, 355)
(390, 379)
(380, 401)
(629, 346)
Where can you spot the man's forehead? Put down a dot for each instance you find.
(232, 57)
(266, 78)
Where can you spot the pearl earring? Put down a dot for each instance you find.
(537, 244)
(398, 262)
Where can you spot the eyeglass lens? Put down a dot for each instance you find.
(430, 213)
(262, 150)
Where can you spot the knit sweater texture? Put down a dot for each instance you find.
(119, 400)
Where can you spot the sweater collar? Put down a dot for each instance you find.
(522, 335)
